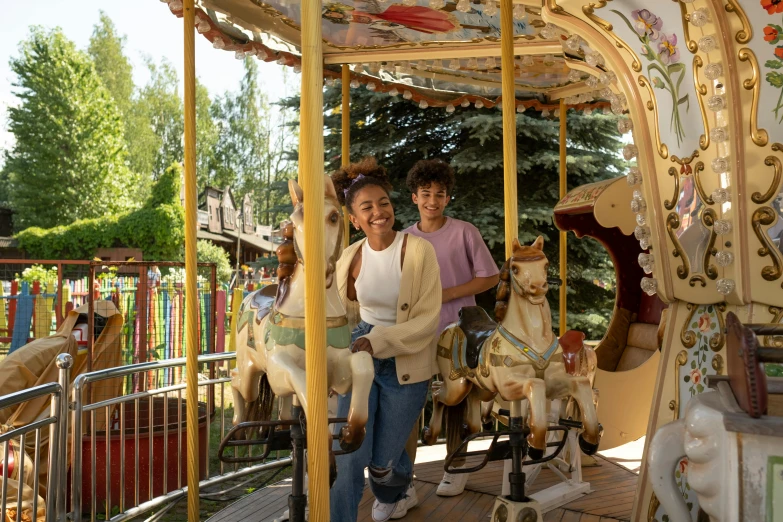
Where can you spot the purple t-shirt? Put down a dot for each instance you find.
(462, 255)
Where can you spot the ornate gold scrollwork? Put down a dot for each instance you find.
(672, 224)
(708, 217)
(701, 91)
(663, 150)
(674, 405)
(698, 278)
(589, 11)
(717, 364)
(777, 341)
(770, 161)
(670, 204)
(743, 36)
(759, 136)
(697, 170)
(688, 338)
(719, 338)
(692, 46)
(764, 216)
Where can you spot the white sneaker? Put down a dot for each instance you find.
(452, 484)
(382, 512)
(409, 502)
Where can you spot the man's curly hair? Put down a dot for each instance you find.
(347, 186)
(426, 172)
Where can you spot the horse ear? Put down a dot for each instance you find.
(329, 187)
(296, 191)
(515, 244)
(538, 244)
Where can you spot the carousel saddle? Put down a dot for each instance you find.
(477, 326)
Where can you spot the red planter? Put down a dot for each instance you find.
(118, 467)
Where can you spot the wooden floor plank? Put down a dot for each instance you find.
(613, 491)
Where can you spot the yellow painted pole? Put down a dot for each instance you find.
(311, 173)
(346, 141)
(191, 293)
(509, 123)
(563, 234)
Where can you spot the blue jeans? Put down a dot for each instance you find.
(392, 410)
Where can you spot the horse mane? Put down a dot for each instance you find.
(287, 259)
(524, 253)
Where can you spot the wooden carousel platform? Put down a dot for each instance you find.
(613, 488)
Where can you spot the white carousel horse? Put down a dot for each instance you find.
(519, 358)
(270, 336)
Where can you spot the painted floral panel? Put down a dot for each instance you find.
(704, 325)
(766, 19)
(655, 34)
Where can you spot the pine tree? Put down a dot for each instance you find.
(398, 133)
(68, 160)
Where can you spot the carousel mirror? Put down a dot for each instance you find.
(693, 235)
(776, 230)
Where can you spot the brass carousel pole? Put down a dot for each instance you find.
(509, 123)
(346, 141)
(563, 233)
(311, 176)
(191, 263)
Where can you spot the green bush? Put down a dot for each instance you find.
(210, 253)
(157, 229)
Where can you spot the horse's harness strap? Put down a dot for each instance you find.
(540, 360)
(285, 330)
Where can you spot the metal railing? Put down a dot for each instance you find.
(139, 429)
(56, 450)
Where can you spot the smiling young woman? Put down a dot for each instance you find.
(390, 286)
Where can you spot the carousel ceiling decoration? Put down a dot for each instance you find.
(436, 53)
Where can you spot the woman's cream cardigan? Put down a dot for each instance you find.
(413, 340)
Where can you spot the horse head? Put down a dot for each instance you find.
(333, 225)
(526, 271)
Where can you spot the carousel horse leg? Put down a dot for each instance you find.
(286, 377)
(352, 372)
(560, 384)
(239, 401)
(444, 393)
(522, 384)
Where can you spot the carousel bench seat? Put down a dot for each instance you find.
(641, 344)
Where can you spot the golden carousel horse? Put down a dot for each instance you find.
(270, 335)
(519, 358)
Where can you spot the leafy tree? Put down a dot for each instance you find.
(157, 228)
(68, 161)
(398, 134)
(252, 150)
(111, 64)
(210, 253)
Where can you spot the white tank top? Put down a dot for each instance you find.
(378, 284)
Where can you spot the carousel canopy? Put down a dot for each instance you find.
(434, 52)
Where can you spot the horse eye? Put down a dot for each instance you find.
(515, 269)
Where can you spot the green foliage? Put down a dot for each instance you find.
(210, 253)
(398, 134)
(114, 68)
(157, 229)
(68, 160)
(37, 273)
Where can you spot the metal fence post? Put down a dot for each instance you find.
(64, 363)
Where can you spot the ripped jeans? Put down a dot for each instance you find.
(393, 409)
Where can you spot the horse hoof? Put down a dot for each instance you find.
(535, 453)
(350, 441)
(588, 448)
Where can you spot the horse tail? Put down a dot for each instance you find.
(454, 422)
(261, 408)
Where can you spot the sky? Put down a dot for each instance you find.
(150, 30)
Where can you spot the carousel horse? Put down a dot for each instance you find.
(270, 333)
(519, 358)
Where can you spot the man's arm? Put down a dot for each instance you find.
(472, 287)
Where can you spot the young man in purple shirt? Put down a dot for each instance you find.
(466, 266)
